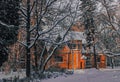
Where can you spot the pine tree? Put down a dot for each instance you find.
(8, 35)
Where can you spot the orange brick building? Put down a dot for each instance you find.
(73, 59)
(67, 56)
(71, 56)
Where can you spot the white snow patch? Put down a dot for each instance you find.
(11, 75)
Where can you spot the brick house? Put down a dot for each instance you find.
(72, 54)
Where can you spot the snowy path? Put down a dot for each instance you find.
(89, 75)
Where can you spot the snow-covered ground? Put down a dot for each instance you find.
(86, 75)
(89, 75)
(12, 75)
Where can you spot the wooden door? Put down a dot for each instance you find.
(73, 60)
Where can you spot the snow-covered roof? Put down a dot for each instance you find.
(73, 35)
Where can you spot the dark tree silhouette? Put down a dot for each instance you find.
(3, 54)
(88, 9)
(9, 21)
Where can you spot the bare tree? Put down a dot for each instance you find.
(44, 20)
(88, 9)
(108, 26)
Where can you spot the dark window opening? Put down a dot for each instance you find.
(79, 46)
(58, 58)
(72, 46)
(88, 62)
(98, 59)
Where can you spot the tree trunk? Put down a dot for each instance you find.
(95, 61)
(36, 58)
(28, 56)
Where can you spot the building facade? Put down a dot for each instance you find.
(71, 56)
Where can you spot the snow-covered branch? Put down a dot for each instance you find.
(6, 25)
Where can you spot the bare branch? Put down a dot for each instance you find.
(32, 6)
(43, 32)
(6, 25)
(24, 44)
(23, 12)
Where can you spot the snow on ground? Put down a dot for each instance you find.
(11, 75)
(86, 75)
(89, 75)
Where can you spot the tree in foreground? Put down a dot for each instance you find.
(44, 20)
